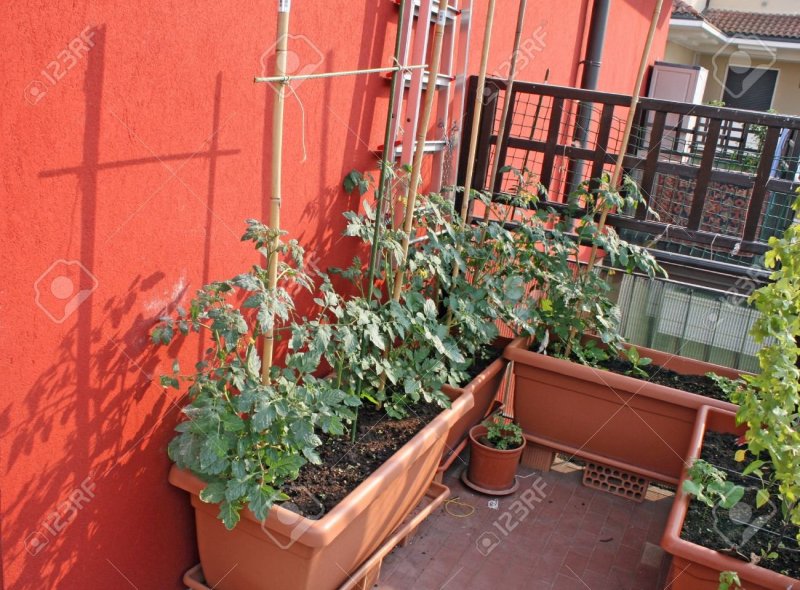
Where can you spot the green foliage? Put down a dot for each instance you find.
(637, 361)
(729, 581)
(573, 301)
(406, 350)
(242, 436)
(709, 485)
(246, 435)
(728, 386)
(769, 401)
(355, 180)
(502, 433)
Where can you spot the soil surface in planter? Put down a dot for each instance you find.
(699, 384)
(345, 465)
(485, 357)
(727, 531)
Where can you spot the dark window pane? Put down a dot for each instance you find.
(750, 88)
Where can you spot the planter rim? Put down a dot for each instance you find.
(480, 429)
(617, 382)
(671, 540)
(321, 532)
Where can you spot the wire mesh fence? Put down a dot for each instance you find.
(718, 182)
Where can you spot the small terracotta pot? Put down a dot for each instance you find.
(491, 470)
(483, 390)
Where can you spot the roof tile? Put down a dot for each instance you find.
(784, 26)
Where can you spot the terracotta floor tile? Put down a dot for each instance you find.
(634, 537)
(563, 582)
(557, 544)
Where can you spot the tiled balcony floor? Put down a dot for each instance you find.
(572, 537)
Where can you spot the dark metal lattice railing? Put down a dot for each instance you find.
(718, 180)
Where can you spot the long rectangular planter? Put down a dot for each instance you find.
(369, 572)
(698, 568)
(291, 552)
(615, 419)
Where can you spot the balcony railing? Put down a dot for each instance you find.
(719, 182)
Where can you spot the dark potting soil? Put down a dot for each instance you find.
(699, 384)
(345, 465)
(485, 357)
(743, 532)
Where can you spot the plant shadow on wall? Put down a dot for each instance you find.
(80, 407)
(85, 408)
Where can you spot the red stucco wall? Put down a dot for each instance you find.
(139, 161)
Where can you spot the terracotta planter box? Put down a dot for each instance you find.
(483, 390)
(291, 552)
(695, 567)
(369, 572)
(612, 419)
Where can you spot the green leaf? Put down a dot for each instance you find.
(228, 514)
(731, 496)
(375, 336)
(169, 381)
(253, 361)
(757, 464)
(514, 288)
(261, 499)
(213, 492)
(235, 490)
(264, 417)
(691, 488)
(762, 497)
(355, 180)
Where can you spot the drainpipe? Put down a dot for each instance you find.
(589, 81)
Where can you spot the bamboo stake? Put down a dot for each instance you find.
(476, 111)
(277, 163)
(626, 136)
(413, 185)
(287, 79)
(477, 108)
(512, 73)
(388, 152)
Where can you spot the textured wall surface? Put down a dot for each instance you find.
(134, 146)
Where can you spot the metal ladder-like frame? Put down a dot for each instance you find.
(451, 85)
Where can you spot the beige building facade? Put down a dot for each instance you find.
(751, 49)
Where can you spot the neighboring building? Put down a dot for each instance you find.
(750, 49)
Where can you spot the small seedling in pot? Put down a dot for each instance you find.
(709, 485)
(637, 362)
(502, 433)
(727, 385)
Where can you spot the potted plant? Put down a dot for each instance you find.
(495, 448)
(565, 400)
(456, 266)
(246, 437)
(468, 261)
(767, 424)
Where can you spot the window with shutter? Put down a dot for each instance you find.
(750, 88)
